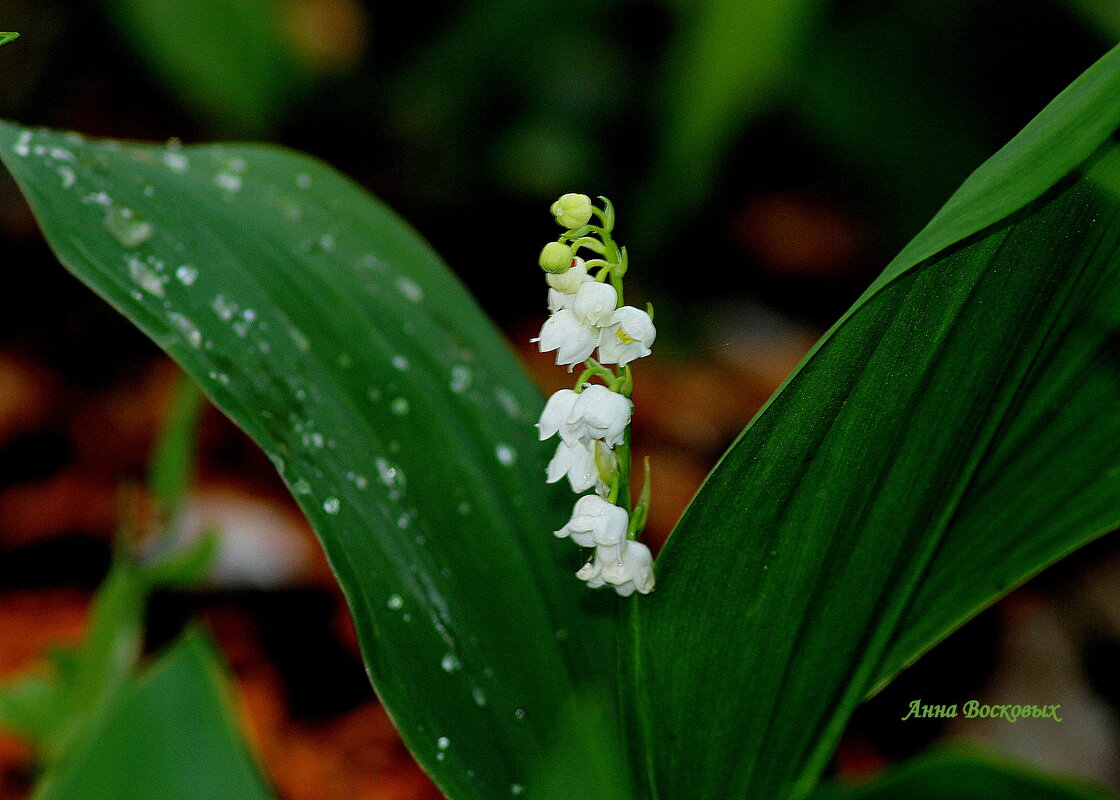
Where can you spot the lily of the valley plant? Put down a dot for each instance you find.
(593, 420)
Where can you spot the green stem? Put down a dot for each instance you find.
(589, 242)
(594, 368)
(622, 452)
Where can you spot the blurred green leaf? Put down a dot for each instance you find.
(730, 61)
(168, 734)
(104, 661)
(386, 399)
(173, 459)
(186, 567)
(8, 37)
(960, 775)
(52, 707)
(1104, 14)
(231, 61)
(954, 433)
(27, 704)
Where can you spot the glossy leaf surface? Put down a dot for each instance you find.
(956, 432)
(388, 402)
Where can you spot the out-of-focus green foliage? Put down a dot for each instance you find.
(91, 693)
(8, 37)
(729, 62)
(168, 733)
(231, 60)
(958, 774)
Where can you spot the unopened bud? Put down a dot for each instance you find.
(572, 210)
(555, 258)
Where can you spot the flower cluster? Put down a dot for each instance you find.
(593, 419)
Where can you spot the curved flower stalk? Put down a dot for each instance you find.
(585, 301)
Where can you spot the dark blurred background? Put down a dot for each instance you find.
(767, 158)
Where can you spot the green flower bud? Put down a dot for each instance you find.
(572, 210)
(555, 257)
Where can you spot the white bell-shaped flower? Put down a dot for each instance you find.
(598, 413)
(595, 302)
(596, 522)
(558, 301)
(571, 279)
(577, 461)
(554, 417)
(627, 567)
(572, 340)
(627, 335)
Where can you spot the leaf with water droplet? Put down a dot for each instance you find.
(361, 356)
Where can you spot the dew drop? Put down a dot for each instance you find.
(479, 697)
(128, 227)
(394, 602)
(344, 361)
(145, 277)
(187, 329)
(331, 505)
(303, 180)
(301, 487)
(224, 308)
(176, 162)
(400, 362)
(21, 147)
(228, 181)
(519, 713)
(507, 401)
(68, 177)
(443, 743)
(450, 663)
(460, 379)
(299, 339)
(410, 289)
(506, 454)
(399, 406)
(186, 274)
(386, 472)
(516, 789)
(464, 508)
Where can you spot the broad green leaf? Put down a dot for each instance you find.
(957, 431)
(230, 60)
(168, 734)
(388, 402)
(8, 37)
(961, 775)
